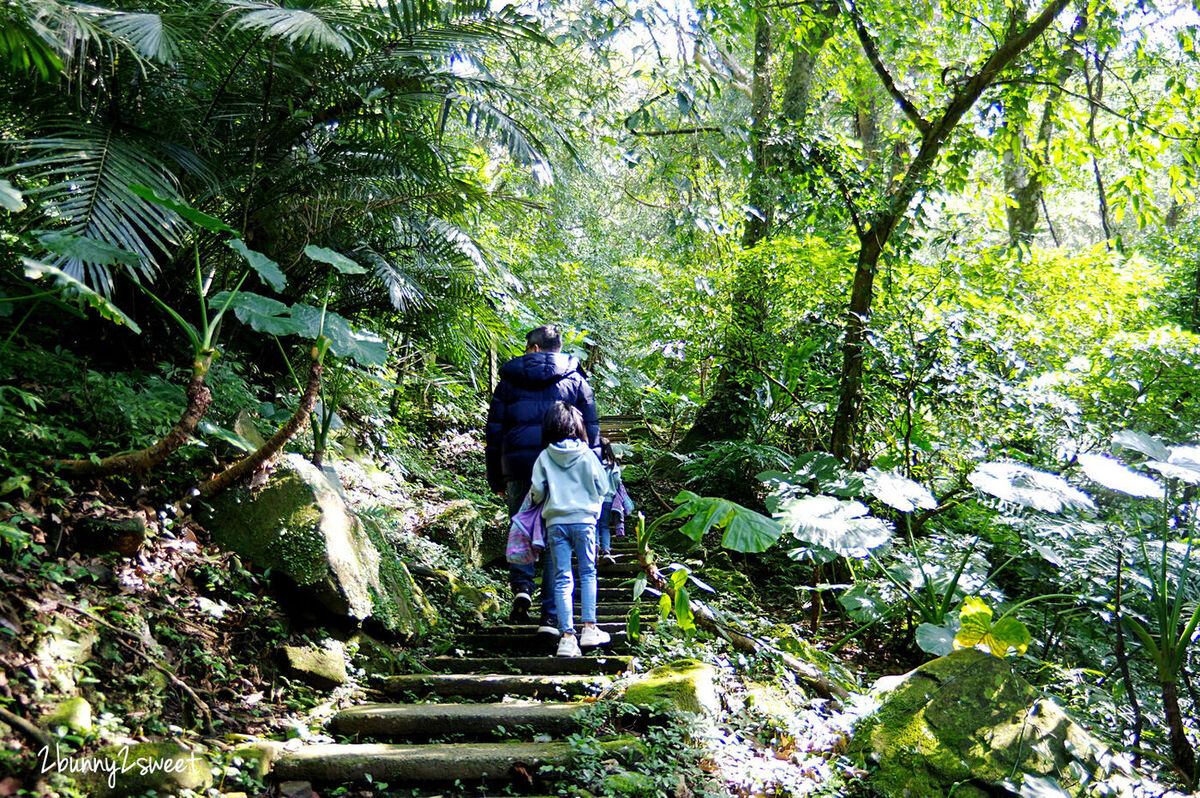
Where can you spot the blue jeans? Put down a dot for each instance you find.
(522, 578)
(581, 540)
(602, 529)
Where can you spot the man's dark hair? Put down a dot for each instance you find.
(546, 338)
(562, 422)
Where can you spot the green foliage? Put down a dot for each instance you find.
(745, 530)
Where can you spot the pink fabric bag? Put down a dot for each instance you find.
(526, 534)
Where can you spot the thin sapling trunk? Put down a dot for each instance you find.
(198, 400)
(253, 461)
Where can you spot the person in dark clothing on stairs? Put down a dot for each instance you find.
(529, 386)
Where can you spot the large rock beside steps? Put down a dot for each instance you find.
(298, 524)
(966, 725)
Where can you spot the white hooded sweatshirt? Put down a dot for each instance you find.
(569, 476)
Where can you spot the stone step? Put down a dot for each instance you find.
(611, 628)
(430, 720)
(531, 644)
(530, 665)
(626, 569)
(443, 763)
(490, 685)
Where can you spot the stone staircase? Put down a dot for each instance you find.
(450, 732)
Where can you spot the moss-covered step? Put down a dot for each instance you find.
(481, 685)
(530, 665)
(437, 764)
(432, 720)
(527, 643)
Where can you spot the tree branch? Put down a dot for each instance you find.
(872, 53)
(677, 131)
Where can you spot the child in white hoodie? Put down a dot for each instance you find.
(569, 477)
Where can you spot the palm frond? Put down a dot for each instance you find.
(82, 177)
(302, 27)
(26, 44)
(144, 32)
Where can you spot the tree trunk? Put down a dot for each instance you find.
(874, 236)
(1182, 754)
(724, 415)
(251, 462)
(198, 400)
(1023, 171)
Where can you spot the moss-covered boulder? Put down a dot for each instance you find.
(321, 665)
(165, 768)
(297, 524)
(687, 684)
(966, 725)
(74, 714)
(62, 648)
(629, 784)
(458, 526)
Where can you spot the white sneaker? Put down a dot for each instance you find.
(594, 636)
(568, 647)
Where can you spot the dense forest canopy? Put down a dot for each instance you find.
(916, 285)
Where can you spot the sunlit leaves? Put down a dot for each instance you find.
(1141, 442)
(898, 491)
(840, 526)
(10, 197)
(1114, 476)
(1020, 484)
(976, 628)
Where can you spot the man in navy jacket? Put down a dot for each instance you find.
(529, 386)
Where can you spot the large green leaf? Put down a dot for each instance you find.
(194, 216)
(10, 197)
(335, 259)
(1020, 484)
(345, 340)
(936, 640)
(745, 530)
(262, 313)
(267, 269)
(35, 270)
(835, 524)
(977, 628)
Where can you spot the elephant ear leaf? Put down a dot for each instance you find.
(36, 269)
(335, 259)
(261, 313)
(977, 627)
(267, 269)
(194, 216)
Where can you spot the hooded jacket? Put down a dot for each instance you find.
(529, 386)
(569, 477)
